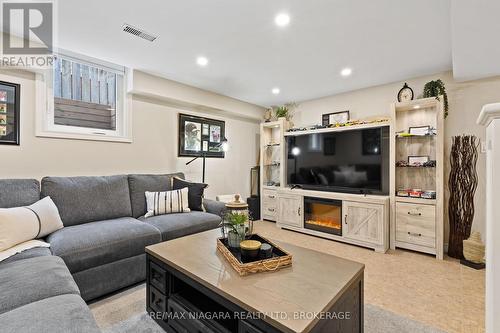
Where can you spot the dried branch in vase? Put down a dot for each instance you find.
(463, 184)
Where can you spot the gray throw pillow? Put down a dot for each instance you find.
(195, 192)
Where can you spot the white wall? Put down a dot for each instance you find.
(466, 100)
(153, 150)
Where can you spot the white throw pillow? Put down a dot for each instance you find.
(160, 203)
(21, 224)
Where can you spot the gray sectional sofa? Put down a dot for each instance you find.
(99, 250)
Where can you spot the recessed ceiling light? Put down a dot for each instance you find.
(416, 107)
(275, 91)
(346, 71)
(282, 20)
(202, 61)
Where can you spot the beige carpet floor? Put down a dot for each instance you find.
(440, 294)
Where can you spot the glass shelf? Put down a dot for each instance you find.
(415, 136)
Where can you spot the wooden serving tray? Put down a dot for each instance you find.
(280, 259)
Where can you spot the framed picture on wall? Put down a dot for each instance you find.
(9, 113)
(199, 135)
(333, 118)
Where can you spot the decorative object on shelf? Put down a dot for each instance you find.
(9, 113)
(335, 118)
(403, 192)
(349, 123)
(419, 130)
(435, 89)
(268, 115)
(281, 111)
(279, 259)
(405, 94)
(474, 248)
(414, 161)
(430, 164)
(193, 134)
(462, 183)
(415, 193)
(430, 194)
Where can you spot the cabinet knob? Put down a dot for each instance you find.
(298, 211)
(345, 218)
(271, 209)
(271, 196)
(414, 234)
(414, 214)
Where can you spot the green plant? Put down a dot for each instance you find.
(282, 111)
(236, 222)
(435, 89)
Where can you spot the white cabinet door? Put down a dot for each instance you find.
(363, 222)
(290, 210)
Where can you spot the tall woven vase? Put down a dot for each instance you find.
(462, 185)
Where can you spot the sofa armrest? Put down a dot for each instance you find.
(214, 207)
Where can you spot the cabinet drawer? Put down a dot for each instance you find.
(157, 277)
(269, 197)
(157, 301)
(416, 224)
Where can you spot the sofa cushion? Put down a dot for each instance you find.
(183, 224)
(18, 192)
(139, 184)
(34, 279)
(60, 314)
(97, 243)
(26, 254)
(87, 199)
(195, 192)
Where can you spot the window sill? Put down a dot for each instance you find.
(87, 137)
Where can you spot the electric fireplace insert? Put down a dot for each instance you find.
(323, 215)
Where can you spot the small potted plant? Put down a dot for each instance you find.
(282, 112)
(235, 222)
(436, 89)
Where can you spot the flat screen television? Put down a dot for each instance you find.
(351, 161)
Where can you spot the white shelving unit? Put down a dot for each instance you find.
(272, 165)
(417, 223)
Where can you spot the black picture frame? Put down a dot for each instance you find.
(10, 100)
(200, 142)
(411, 130)
(325, 118)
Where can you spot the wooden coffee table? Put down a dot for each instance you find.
(192, 288)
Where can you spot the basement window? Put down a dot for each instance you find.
(85, 100)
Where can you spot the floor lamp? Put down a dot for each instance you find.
(225, 147)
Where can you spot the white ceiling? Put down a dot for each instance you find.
(382, 41)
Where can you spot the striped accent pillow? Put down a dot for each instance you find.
(160, 203)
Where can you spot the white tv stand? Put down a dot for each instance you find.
(365, 218)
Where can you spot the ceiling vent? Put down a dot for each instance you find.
(138, 32)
